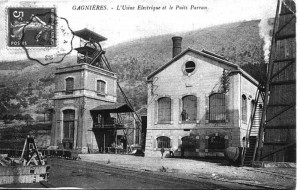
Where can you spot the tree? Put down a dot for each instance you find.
(28, 118)
(257, 71)
(11, 102)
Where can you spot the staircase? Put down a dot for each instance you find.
(252, 137)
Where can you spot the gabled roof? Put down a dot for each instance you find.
(112, 108)
(206, 54)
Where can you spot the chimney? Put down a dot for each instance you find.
(176, 45)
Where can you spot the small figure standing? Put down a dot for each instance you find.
(184, 115)
(162, 150)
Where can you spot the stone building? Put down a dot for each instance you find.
(199, 104)
(79, 88)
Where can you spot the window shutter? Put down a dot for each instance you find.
(206, 109)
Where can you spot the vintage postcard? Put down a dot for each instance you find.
(148, 94)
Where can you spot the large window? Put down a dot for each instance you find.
(217, 110)
(101, 86)
(163, 142)
(69, 121)
(69, 85)
(244, 108)
(189, 109)
(164, 109)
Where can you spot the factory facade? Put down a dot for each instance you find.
(199, 104)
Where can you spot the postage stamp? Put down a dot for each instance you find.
(31, 27)
(43, 36)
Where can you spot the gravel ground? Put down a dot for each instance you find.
(279, 178)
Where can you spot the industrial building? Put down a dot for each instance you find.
(199, 104)
(86, 112)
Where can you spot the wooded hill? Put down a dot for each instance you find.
(133, 61)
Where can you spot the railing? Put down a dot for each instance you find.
(108, 125)
(249, 128)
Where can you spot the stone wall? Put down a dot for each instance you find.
(175, 83)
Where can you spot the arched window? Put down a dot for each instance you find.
(216, 142)
(163, 142)
(244, 108)
(69, 85)
(164, 109)
(189, 143)
(101, 86)
(69, 121)
(217, 109)
(189, 109)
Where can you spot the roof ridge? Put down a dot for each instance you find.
(214, 54)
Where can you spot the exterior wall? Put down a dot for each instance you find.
(173, 82)
(249, 90)
(83, 99)
(85, 82)
(57, 126)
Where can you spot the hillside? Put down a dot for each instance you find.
(238, 42)
(133, 61)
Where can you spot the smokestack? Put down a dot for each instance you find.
(176, 45)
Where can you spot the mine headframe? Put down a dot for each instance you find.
(90, 50)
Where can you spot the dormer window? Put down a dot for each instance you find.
(101, 87)
(69, 85)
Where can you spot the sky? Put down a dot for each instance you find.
(119, 25)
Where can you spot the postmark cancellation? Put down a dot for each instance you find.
(31, 27)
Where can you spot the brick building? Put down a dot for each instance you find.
(79, 88)
(199, 104)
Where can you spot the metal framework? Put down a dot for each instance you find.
(91, 52)
(274, 137)
(277, 136)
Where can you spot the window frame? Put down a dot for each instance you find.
(192, 68)
(222, 120)
(105, 87)
(159, 141)
(188, 69)
(158, 110)
(189, 143)
(67, 89)
(68, 123)
(194, 111)
(216, 146)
